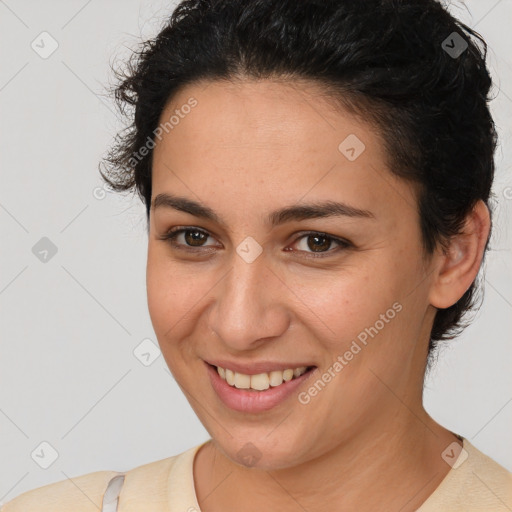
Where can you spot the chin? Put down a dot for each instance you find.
(259, 450)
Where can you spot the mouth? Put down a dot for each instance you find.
(260, 381)
(256, 392)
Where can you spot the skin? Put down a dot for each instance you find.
(365, 441)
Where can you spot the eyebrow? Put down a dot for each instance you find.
(295, 212)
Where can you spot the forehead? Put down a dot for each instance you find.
(270, 142)
(272, 113)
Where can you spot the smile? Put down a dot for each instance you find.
(257, 391)
(260, 381)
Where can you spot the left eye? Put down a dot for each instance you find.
(194, 238)
(317, 242)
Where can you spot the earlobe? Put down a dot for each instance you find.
(460, 263)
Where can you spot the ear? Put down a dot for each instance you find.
(460, 263)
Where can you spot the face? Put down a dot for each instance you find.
(341, 292)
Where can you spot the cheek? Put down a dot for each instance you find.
(343, 303)
(178, 295)
(171, 309)
(363, 310)
(171, 294)
(160, 293)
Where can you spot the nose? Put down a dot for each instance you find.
(250, 305)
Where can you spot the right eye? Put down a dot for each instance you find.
(192, 238)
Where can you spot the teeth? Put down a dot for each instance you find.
(288, 375)
(242, 381)
(261, 381)
(276, 378)
(230, 377)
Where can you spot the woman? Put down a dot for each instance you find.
(316, 176)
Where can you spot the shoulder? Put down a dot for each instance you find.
(81, 494)
(476, 483)
(84, 493)
(486, 480)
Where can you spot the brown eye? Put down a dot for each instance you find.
(195, 238)
(317, 244)
(192, 238)
(320, 243)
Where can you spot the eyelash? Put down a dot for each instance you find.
(171, 235)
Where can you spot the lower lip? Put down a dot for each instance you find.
(244, 400)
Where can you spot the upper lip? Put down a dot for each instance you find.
(255, 368)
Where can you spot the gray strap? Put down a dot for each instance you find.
(111, 496)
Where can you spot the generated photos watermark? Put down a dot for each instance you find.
(355, 348)
(170, 124)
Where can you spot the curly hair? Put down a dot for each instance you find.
(393, 61)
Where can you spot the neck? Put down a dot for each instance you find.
(392, 466)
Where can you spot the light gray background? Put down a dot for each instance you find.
(69, 326)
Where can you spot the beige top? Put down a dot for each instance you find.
(477, 484)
